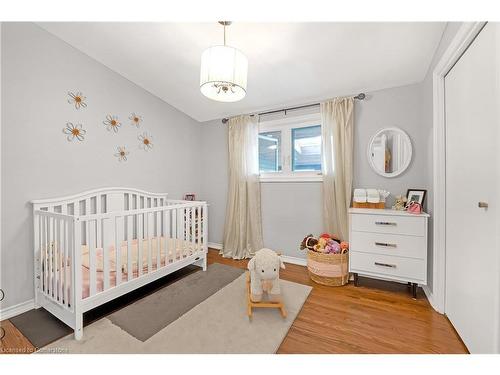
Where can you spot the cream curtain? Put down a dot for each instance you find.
(243, 227)
(337, 150)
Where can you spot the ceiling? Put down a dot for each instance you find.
(289, 63)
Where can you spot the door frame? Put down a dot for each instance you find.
(464, 37)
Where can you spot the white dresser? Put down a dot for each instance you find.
(388, 244)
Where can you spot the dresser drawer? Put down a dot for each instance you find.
(383, 265)
(389, 244)
(407, 225)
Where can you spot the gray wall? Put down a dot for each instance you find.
(37, 162)
(292, 210)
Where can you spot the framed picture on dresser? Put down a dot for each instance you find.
(416, 195)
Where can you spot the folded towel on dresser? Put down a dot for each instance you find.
(372, 196)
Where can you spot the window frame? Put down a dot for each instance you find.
(285, 125)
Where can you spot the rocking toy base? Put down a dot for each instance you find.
(262, 304)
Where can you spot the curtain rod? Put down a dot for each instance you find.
(360, 96)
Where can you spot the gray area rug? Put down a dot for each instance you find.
(149, 315)
(40, 327)
(217, 325)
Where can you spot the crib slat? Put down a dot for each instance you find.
(56, 257)
(90, 226)
(130, 273)
(164, 234)
(60, 259)
(192, 233)
(140, 237)
(200, 218)
(107, 238)
(47, 255)
(42, 251)
(158, 240)
(118, 248)
(204, 228)
(45, 250)
(189, 220)
(65, 264)
(150, 234)
(98, 209)
(182, 230)
(38, 250)
(185, 213)
(174, 235)
(58, 263)
(51, 256)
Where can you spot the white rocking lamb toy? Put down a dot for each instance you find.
(264, 277)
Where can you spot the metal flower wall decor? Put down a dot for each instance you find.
(74, 131)
(146, 141)
(122, 153)
(135, 119)
(112, 123)
(77, 99)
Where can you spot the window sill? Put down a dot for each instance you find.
(309, 178)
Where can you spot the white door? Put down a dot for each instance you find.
(472, 180)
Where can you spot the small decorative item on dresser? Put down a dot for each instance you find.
(416, 195)
(369, 198)
(414, 208)
(190, 197)
(327, 259)
(400, 203)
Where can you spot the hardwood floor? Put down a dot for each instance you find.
(13, 341)
(376, 317)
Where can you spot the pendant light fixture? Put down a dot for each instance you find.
(224, 70)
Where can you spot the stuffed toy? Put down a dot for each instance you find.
(320, 247)
(332, 247)
(308, 242)
(400, 203)
(265, 275)
(326, 244)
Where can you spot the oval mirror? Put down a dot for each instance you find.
(389, 152)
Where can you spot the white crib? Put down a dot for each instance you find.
(98, 245)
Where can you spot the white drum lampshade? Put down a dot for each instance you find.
(223, 74)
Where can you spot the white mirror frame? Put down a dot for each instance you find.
(369, 156)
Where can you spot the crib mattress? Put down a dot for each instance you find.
(112, 277)
(175, 248)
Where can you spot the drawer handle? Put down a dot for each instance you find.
(385, 265)
(385, 223)
(386, 244)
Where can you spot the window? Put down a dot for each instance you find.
(290, 149)
(306, 143)
(270, 151)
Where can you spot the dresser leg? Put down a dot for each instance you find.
(356, 279)
(414, 290)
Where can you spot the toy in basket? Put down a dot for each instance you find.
(263, 278)
(327, 259)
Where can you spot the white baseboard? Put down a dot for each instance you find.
(294, 260)
(10, 312)
(214, 245)
(286, 258)
(429, 295)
